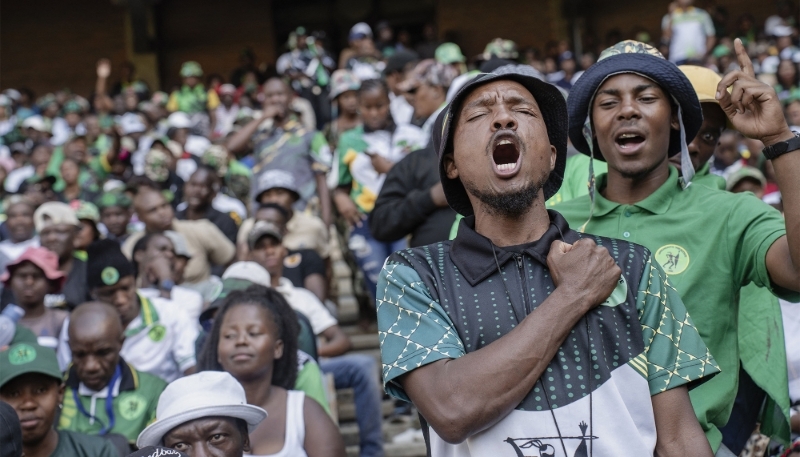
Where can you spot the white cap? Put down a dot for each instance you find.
(131, 123)
(360, 29)
(249, 271)
(782, 30)
(179, 120)
(37, 123)
(205, 394)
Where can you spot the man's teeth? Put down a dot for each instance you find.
(625, 136)
(502, 142)
(506, 166)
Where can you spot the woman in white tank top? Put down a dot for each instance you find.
(254, 338)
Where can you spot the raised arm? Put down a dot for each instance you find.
(463, 396)
(238, 141)
(754, 109)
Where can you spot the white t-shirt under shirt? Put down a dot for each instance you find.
(306, 302)
(187, 300)
(690, 28)
(159, 341)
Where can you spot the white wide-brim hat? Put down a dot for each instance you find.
(205, 394)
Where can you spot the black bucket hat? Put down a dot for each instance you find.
(642, 59)
(554, 111)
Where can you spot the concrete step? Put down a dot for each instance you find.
(347, 411)
(395, 450)
(349, 432)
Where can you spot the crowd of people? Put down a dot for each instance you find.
(167, 257)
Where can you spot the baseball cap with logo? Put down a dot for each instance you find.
(343, 81)
(157, 451)
(24, 358)
(53, 213)
(106, 264)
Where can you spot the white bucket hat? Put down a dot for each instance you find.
(204, 394)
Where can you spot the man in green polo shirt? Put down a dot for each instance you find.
(104, 393)
(31, 383)
(633, 109)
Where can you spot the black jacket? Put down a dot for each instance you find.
(404, 206)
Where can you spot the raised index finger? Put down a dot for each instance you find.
(744, 60)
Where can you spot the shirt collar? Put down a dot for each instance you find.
(657, 203)
(474, 254)
(147, 316)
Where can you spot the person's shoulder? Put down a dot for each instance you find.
(421, 258)
(149, 383)
(352, 138)
(82, 445)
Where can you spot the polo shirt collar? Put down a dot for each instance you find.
(147, 316)
(285, 287)
(128, 380)
(474, 254)
(657, 203)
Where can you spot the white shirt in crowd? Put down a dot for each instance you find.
(159, 341)
(306, 302)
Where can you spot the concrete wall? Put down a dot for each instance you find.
(213, 33)
(51, 44)
(473, 23)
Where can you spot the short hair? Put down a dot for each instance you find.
(276, 207)
(284, 372)
(371, 84)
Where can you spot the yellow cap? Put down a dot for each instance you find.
(704, 82)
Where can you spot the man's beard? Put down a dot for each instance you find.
(511, 204)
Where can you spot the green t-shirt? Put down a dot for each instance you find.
(711, 244)
(576, 179)
(133, 408)
(704, 177)
(309, 380)
(72, 444)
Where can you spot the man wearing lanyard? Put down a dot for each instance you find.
(711, 243)
(104, 394)
(159, 336)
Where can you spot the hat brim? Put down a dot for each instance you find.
(661, 71)
(154, 433)
(554, 113)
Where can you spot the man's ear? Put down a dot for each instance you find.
(553, 157)
(450, 166)
(674, 124)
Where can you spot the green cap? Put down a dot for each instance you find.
(191, 68)
(85, 210)
(115, 198)
(744, 173)
(23, 358)
(448, 53)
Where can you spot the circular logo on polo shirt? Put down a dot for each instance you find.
(673, 259)
(131, 406)
(109, 276)
(157, 333)
(21, 354)
(293, 260)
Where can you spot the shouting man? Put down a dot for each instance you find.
(521, 332)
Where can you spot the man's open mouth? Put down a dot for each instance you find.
(505, 155)
(629, 141)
